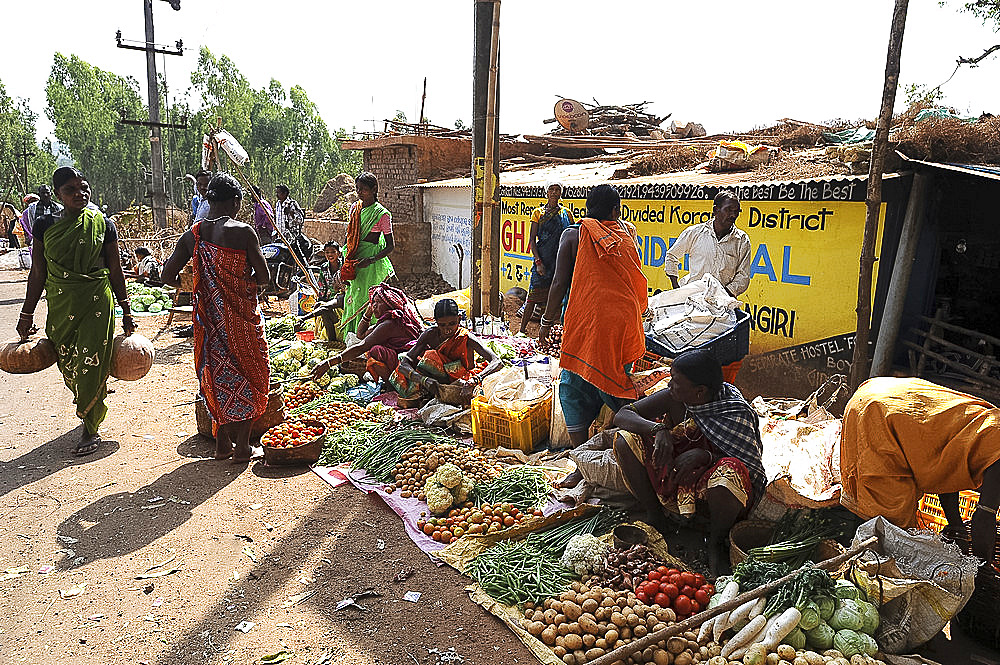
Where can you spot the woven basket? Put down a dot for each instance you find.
(747, 535)
(273, 415)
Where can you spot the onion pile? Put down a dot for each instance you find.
(417, 464)
(624, 569)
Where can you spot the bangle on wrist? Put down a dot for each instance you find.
(27, 315)
(658, 427)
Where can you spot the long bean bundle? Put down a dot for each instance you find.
(553, 541)
(523, 486)
(382, 453)
(514, 572)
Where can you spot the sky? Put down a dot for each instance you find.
(728, 64)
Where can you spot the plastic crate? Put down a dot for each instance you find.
(728, 348)
(523, 429)
(930, 515)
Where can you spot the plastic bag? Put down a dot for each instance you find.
(508, 389)
(917, 581)
(696, 313)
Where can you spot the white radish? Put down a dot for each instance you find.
(786, 623)
(706, 630)
(745, 636)
(740, 651)
(722, 621)
(740, 613)
(758, 608)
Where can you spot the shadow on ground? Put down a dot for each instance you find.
(49, 458)
(108, 526)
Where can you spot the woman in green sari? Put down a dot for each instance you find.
(369, 243)
(75, 259)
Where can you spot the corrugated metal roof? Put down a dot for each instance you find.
(980, 170)
(601, 172)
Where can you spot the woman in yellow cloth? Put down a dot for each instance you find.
(903, 438)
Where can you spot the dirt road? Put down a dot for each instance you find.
(244, 540)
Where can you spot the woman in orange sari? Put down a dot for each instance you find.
(445, 354)
(230, 353)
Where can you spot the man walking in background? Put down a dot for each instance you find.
(288, 215)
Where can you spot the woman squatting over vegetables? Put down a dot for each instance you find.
(444, 353)
(75, 258)
(396, 329)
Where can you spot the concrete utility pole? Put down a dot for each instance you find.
(158, 192)
(873, 202)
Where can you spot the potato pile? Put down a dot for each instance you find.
(587, 622)
(420, 462)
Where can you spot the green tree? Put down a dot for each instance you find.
(287, 140)
(17, 136)
(85, 104)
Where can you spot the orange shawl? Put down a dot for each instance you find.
(903, 438)
(603, 324)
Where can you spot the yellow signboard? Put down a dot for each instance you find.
(804, 282)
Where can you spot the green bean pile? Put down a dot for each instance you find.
(346, 444)
(524, 487)
(515, 572)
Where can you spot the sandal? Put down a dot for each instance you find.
(89, 443)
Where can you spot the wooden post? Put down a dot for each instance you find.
(888, 331)
(423, 100)
(489, 190)
(873, 202)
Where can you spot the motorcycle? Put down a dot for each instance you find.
(281, 265)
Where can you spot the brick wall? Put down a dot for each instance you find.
(412, 254)
(395, 166)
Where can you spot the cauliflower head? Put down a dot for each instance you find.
(585, 554)
(439, 499)
(463, 491)
(449, 475)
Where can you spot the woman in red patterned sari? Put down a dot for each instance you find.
(230, 353)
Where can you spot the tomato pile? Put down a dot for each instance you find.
(291, 433)
(684, 592)
(300, 394)
(487, 518)
(478, 369)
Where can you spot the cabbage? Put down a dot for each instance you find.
(871, 646)
(147, 299)
(156, 308)
(138, 307)
(826, 606)
(820, 638)
(323, 381)
(297, 350)
(795, 639)
(810, 616)
(849, 643)
(869, 617)
(847, 616)
(351, 381)
(845, 589)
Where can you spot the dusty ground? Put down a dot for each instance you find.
(245, 539)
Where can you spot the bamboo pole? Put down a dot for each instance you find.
(623, 652)
(295, 257)
(489, 191)
(873, 202)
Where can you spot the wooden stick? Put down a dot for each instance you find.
(623, 652)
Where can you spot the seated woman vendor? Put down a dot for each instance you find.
(396, 329)
(443, 354)
(694, 444)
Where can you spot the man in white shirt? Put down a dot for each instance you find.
(714, 247)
